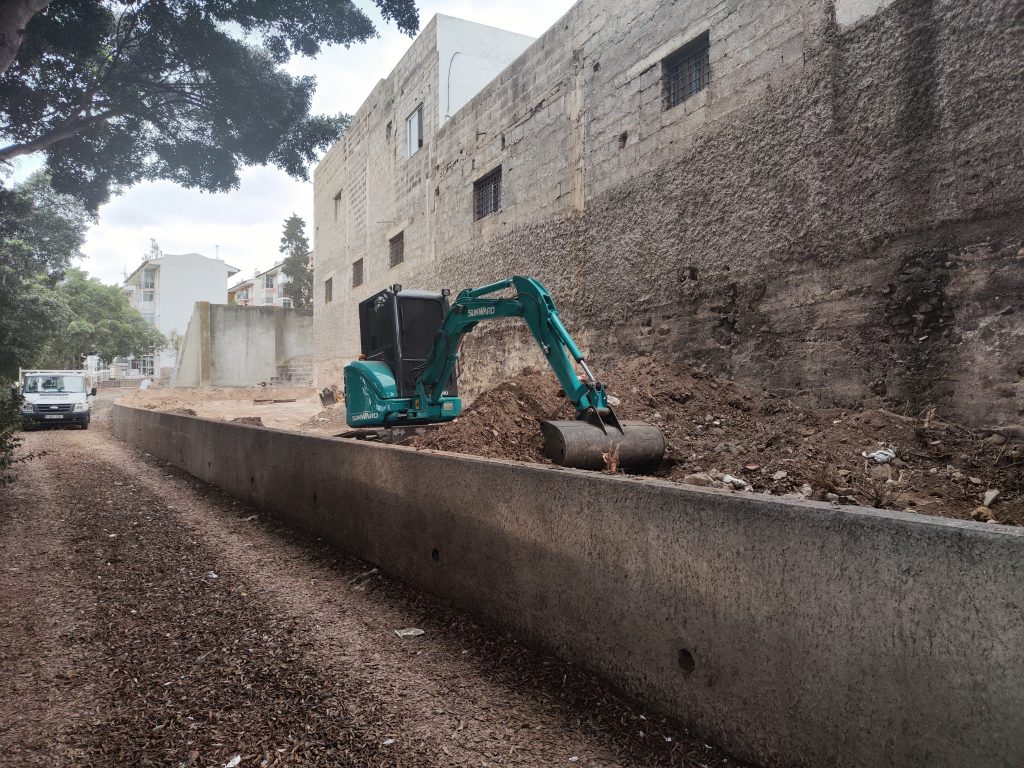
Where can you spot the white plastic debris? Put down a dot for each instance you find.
(881, 456)
(388, 742)
(234, 761)
(212, 575)
(409, 632)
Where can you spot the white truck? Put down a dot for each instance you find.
(56, 397)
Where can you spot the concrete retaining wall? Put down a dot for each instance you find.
(794, 634)
(239, 346)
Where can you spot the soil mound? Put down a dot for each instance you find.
(724, 434)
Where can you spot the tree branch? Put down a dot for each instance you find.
(48, 139)
(14, 17)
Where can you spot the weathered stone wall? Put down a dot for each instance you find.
(841, 212)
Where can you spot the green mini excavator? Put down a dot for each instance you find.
(410, 349)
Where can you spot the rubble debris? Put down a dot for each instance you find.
(881, 456)
(699, 479)
(799, 451)
(254, 421)
(409, 632)
(982, 514)
(990, 497)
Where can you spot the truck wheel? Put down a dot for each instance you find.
(85, 424)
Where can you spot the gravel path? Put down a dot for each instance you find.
(148, 619)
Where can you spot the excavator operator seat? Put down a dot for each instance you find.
(397, 327)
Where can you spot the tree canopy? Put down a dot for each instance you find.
(118, 91)
(51, 314)
(100, 321)
(296, 266)
(40, 233)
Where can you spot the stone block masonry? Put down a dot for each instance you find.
(839, 214)
(794, 634)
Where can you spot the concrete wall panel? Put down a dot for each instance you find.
(795, 634)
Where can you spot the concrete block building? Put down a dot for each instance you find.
(823, 197)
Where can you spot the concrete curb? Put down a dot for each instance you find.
(793, 633)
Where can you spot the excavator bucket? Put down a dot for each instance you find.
(585, 445)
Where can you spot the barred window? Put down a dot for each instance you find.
(396, 247)
(487, 194)
(357, 273)
(686, 72)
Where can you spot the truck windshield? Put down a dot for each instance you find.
(43, 384)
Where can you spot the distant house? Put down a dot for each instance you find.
(263, 289)
(165, 290)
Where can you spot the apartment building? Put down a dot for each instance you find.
(262, 289)
(165, 290)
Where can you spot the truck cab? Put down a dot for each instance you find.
(56, 397)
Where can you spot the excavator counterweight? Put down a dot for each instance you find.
(410, 348)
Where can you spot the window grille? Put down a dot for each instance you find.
(328, 290)
(357, 273)
(487, 194)
(687, 71)
(396, 246)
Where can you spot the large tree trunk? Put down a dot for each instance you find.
(14, 17)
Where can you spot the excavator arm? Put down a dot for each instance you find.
(535, 306)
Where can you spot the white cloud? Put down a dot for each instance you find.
(246, 223)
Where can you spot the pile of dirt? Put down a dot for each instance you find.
(254, 421)
(723, 434)
(502, 422)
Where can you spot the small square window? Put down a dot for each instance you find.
(414, 132)
(328, 290)
(357, 273)
(686, 72)
(148, 296)
(396, 247)
(487, 194)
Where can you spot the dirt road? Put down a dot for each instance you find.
(147, 619)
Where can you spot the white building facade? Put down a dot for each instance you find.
(263, 289)
(165, 290)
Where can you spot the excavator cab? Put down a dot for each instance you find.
(397, 327)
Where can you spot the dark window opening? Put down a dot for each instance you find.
(623, 138)
(357, 273)
(686, 72)
(396, 247)
(487, 194)
(328, 290)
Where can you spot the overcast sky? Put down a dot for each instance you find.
(246, 223)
